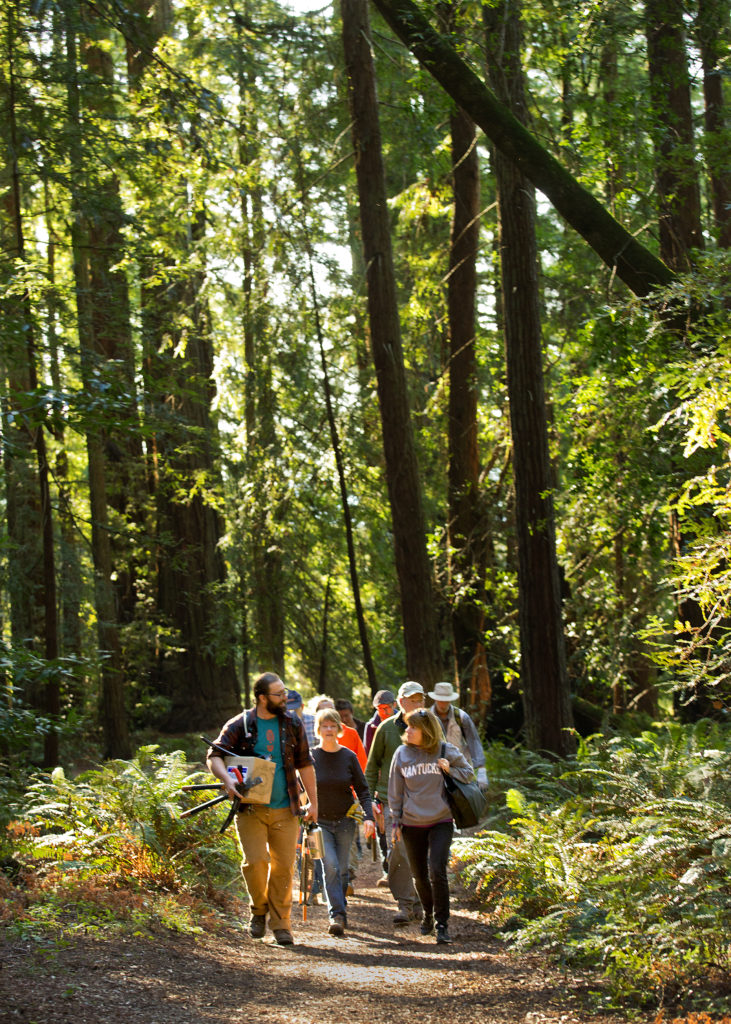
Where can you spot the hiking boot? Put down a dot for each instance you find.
(257, 926)
(337, 925)
(427, 924)
(283, 937)
(406, 916)
(443, 938)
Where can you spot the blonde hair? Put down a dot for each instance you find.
(432, 734)
(328, 715)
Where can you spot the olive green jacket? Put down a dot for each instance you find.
(386, 742)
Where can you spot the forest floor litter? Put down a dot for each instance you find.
(376, 974)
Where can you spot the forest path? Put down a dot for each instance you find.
(376, 973)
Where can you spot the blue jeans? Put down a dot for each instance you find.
(337, 838)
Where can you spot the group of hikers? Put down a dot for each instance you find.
(393, 765)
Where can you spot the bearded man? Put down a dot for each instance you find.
(268, 832)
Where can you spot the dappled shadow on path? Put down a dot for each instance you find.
(376, 974)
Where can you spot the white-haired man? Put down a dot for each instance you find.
(459, 728)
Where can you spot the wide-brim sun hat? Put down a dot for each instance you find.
(444, 692)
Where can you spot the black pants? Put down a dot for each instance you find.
(428, 853)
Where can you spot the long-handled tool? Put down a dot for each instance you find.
(202, 807)
(242, 787)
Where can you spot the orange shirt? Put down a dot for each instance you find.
(352, 741)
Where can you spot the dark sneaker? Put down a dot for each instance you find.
(257, 926)
(443, 938)
(337, 925)
(406, 916)
(427, 925)
(283, 937)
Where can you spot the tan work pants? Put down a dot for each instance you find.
(268, 841)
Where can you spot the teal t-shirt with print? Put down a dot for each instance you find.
(268, 745)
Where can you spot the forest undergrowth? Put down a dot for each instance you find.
(618, 860)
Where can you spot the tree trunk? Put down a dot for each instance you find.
(337, 450)
(322, 680)
(70, 582)
(544, 680)
(634, 264)
(22, 489)
(467, 522)
(113, 714)
(402, 472)
(711, 23)
(195, 672)
(467, 525)
(262, 445)
(679, 214)
(20, 357)
(110, 314)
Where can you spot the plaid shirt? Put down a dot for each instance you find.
(294, 746)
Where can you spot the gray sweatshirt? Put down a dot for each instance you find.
(416, 784)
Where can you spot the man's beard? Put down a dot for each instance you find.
(276, 708)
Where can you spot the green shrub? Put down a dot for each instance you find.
(620, 858)
(116, 830)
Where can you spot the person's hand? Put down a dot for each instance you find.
(395, 833)
(444, 764)
(310, 815)
(229, 786)
(369, 829)
(482, 779)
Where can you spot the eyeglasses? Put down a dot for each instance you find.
(277, 693)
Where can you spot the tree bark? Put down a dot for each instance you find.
(711, 22)
(262, 445)
(679, 214)
(344, 498)
(467, 522)
(634, 264)
(402, 471)
(195, 670)
(544, 680)
(21, 356)
(113, 714)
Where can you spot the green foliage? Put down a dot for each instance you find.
(23, 729)
(110, 843)
(618, 859)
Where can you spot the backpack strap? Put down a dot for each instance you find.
(459, 713)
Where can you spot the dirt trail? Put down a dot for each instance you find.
(376, 973)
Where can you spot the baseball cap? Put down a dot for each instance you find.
(294, 700)
(383, 697)
(410, 688)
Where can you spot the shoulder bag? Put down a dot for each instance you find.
(466, 800)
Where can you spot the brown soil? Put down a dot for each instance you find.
(376, 973)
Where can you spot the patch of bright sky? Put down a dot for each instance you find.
(306, 6)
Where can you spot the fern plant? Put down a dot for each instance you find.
(623, 863)
(121, 823)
